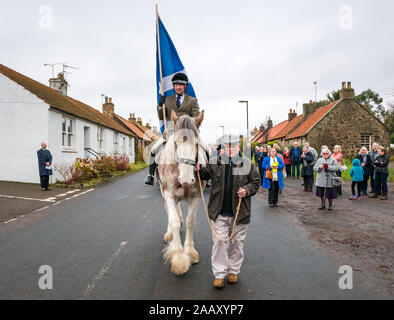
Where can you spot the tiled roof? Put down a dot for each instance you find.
(63, 103)
(135, 129)
(144, 129)
(257, 136)
(272, 132)
(314, 118)
(288, 127)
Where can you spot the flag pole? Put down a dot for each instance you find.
(161, 73)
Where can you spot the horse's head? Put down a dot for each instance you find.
(186, 140)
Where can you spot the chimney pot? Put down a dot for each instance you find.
(108, 108)
(59, 84)
(346, 92)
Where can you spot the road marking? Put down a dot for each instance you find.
(38, 210)
(103, 271)
(72, 191)
(24, 198)
(51, 199)
(10, 221)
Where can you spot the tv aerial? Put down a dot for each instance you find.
(52, 65)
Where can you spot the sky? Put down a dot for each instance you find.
(266, 52)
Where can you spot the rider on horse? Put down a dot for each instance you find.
(182, 104)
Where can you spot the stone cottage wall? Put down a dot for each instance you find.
(344, 125)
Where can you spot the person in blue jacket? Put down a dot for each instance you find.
(357, 174)
(274, 165)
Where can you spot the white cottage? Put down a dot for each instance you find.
(31, 112)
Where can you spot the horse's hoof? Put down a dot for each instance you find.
(167, 237)
(180, 263)
(194, 256)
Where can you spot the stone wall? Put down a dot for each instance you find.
(344, 125)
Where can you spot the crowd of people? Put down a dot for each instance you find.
(298, 162)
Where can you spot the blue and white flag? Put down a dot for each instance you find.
(170, 65)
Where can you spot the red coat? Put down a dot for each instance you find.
(286, 158)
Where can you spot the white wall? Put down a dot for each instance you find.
(23, 126)
(65, 155)
(26, 121)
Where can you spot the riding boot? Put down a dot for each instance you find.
(149, 180)
(323, 204)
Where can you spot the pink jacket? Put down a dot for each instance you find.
(339, 157)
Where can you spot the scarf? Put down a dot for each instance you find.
(274, 164)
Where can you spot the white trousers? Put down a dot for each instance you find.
(227, 257)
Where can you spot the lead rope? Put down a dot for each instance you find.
(207, 215)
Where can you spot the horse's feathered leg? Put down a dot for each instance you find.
(178, 209)
(190, 223)
(180, 262)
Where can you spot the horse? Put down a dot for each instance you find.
(178, 182)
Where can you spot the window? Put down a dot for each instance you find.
(116, 142)
(100, 139)
(366, 141)
(67, 132)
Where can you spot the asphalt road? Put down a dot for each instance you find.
(106, 244)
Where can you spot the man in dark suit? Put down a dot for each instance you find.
(44, 166)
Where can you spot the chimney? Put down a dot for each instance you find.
(148, 126)
(269, 123)
(132, 117)
(139, 120)
(108, 108)
(292, 115)
(309, 108)
(347, 92)
(59, 84)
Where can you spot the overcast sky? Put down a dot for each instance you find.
(267, 52)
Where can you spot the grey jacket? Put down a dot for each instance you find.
(324, 178)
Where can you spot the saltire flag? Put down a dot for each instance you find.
(170, 65)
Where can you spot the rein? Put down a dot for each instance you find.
(192, 162)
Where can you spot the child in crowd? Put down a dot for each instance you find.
(357, 174)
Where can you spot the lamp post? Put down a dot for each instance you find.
(222, 128)
(247, 118)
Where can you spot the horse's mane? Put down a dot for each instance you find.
(186, 122)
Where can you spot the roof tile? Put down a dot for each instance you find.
(315, 117)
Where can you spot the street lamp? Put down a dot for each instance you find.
(247, 118)
(222, 128)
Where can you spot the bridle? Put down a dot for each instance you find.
(190, 162)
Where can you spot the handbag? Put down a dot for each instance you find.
(268, 174)
(336, 181)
